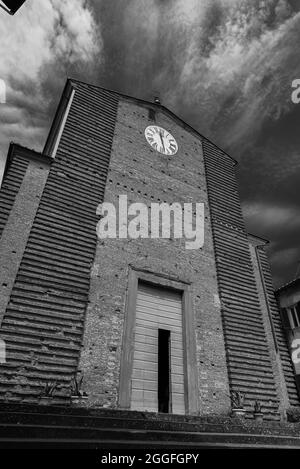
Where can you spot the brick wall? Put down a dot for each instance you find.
(44, 316)
(67, 296)
(146, 176)
(267, 301)
(247, 349)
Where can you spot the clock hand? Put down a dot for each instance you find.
(161, 139)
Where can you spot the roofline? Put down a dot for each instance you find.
(58, 117)
(161, 106)
(265, 241)
(287, 285)
(26, 152)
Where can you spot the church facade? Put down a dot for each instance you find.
(141, 324)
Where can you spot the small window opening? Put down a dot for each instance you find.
(291, 317)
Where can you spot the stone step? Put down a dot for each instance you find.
(32, 424)
(136, 421)
(108, 437)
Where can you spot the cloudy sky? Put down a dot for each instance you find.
(224, 66)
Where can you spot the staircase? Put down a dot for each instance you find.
(29, 426)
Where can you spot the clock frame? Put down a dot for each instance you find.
(161, 140)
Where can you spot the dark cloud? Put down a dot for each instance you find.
(38, 48)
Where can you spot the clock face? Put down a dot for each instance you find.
(161, 140)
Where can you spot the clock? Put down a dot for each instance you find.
(161, 140)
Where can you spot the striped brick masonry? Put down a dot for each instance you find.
(63, 292)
